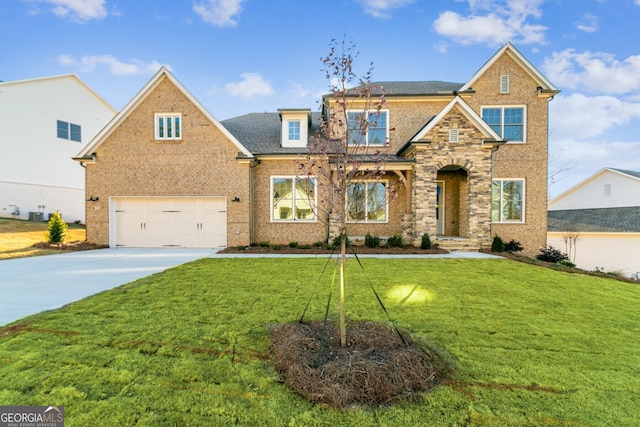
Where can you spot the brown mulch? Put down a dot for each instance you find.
(375, 368)
(285, 249)
(69, 246)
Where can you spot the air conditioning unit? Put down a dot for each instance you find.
(35, 216)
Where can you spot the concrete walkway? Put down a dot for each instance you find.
(35, 284)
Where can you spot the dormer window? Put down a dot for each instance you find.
(504, 83)
(295, 127)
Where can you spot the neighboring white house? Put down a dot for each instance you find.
(597, 222)
(45, 122)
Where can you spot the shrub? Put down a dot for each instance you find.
(57, 229)
(371, 241)
(304, 246)
(264, 244)
(551, 254)
(318, 244)
(567, 263)
(426, 242)
(338, 239)
(513, 246)
(276, 247)
(395, 241)
(293, 244)
(498, 244)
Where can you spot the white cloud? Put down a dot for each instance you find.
(588, 24)
(493, 22)
(88, 63)
(597, 72)
(221, 13)
(77, 10)
(382, 8)
(251, 84)
(577, 116)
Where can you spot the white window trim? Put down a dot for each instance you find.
(524, 120)
(524, 201)
(386, 202)
(386, 136)
(156, 128)
(298, 121)
(293, 216)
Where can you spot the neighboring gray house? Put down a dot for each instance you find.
(597, 222)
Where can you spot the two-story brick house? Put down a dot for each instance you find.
(469, 161)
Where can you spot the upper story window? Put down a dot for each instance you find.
(168, 126)
(66, 130)
(293, 198)
(375, 133)
(367, 201)
(508, 122)
(294, 130)
(504, 83)
(507, 200)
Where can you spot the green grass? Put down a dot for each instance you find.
(190, 347)
(17, 237)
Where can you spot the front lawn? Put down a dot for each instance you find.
(190, 346)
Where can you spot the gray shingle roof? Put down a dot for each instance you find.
(415, 88)
(628, 172)
(615, 220)
(260, 132)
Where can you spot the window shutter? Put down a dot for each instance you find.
(504, 83)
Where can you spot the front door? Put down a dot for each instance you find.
(440, 207)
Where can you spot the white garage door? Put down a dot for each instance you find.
(169, 222)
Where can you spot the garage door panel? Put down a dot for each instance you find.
(158, 222)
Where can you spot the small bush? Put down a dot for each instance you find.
(318, 244)
(371, 241)
(293, 244)
(57, 229)
(567, 263)
(395, 241)
(426, 242)
(338, 239)
(304, 246)
(551, 254)
(276, 247)
(513, 246)
(264, 244)
(498, 244)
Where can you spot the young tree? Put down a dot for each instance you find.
(57, 229)
(348, 154)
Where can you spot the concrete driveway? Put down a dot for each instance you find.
(35, 284)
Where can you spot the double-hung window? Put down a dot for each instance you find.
(508, 122)
(168, 126)
(293, 198)
(507, 200)
(367, 201)
(368, 127)
(66, 130)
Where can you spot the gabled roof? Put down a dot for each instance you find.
(59, 77)
(635, 175)
(260, 132)
(467, 111)
(509, 49)
(600, 220)
(163, 73)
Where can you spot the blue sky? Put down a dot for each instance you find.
(242, 56)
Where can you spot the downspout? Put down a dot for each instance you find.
(252, 165)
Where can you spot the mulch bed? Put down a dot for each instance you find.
(69, 246)
(375, 368)
(409, 250)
